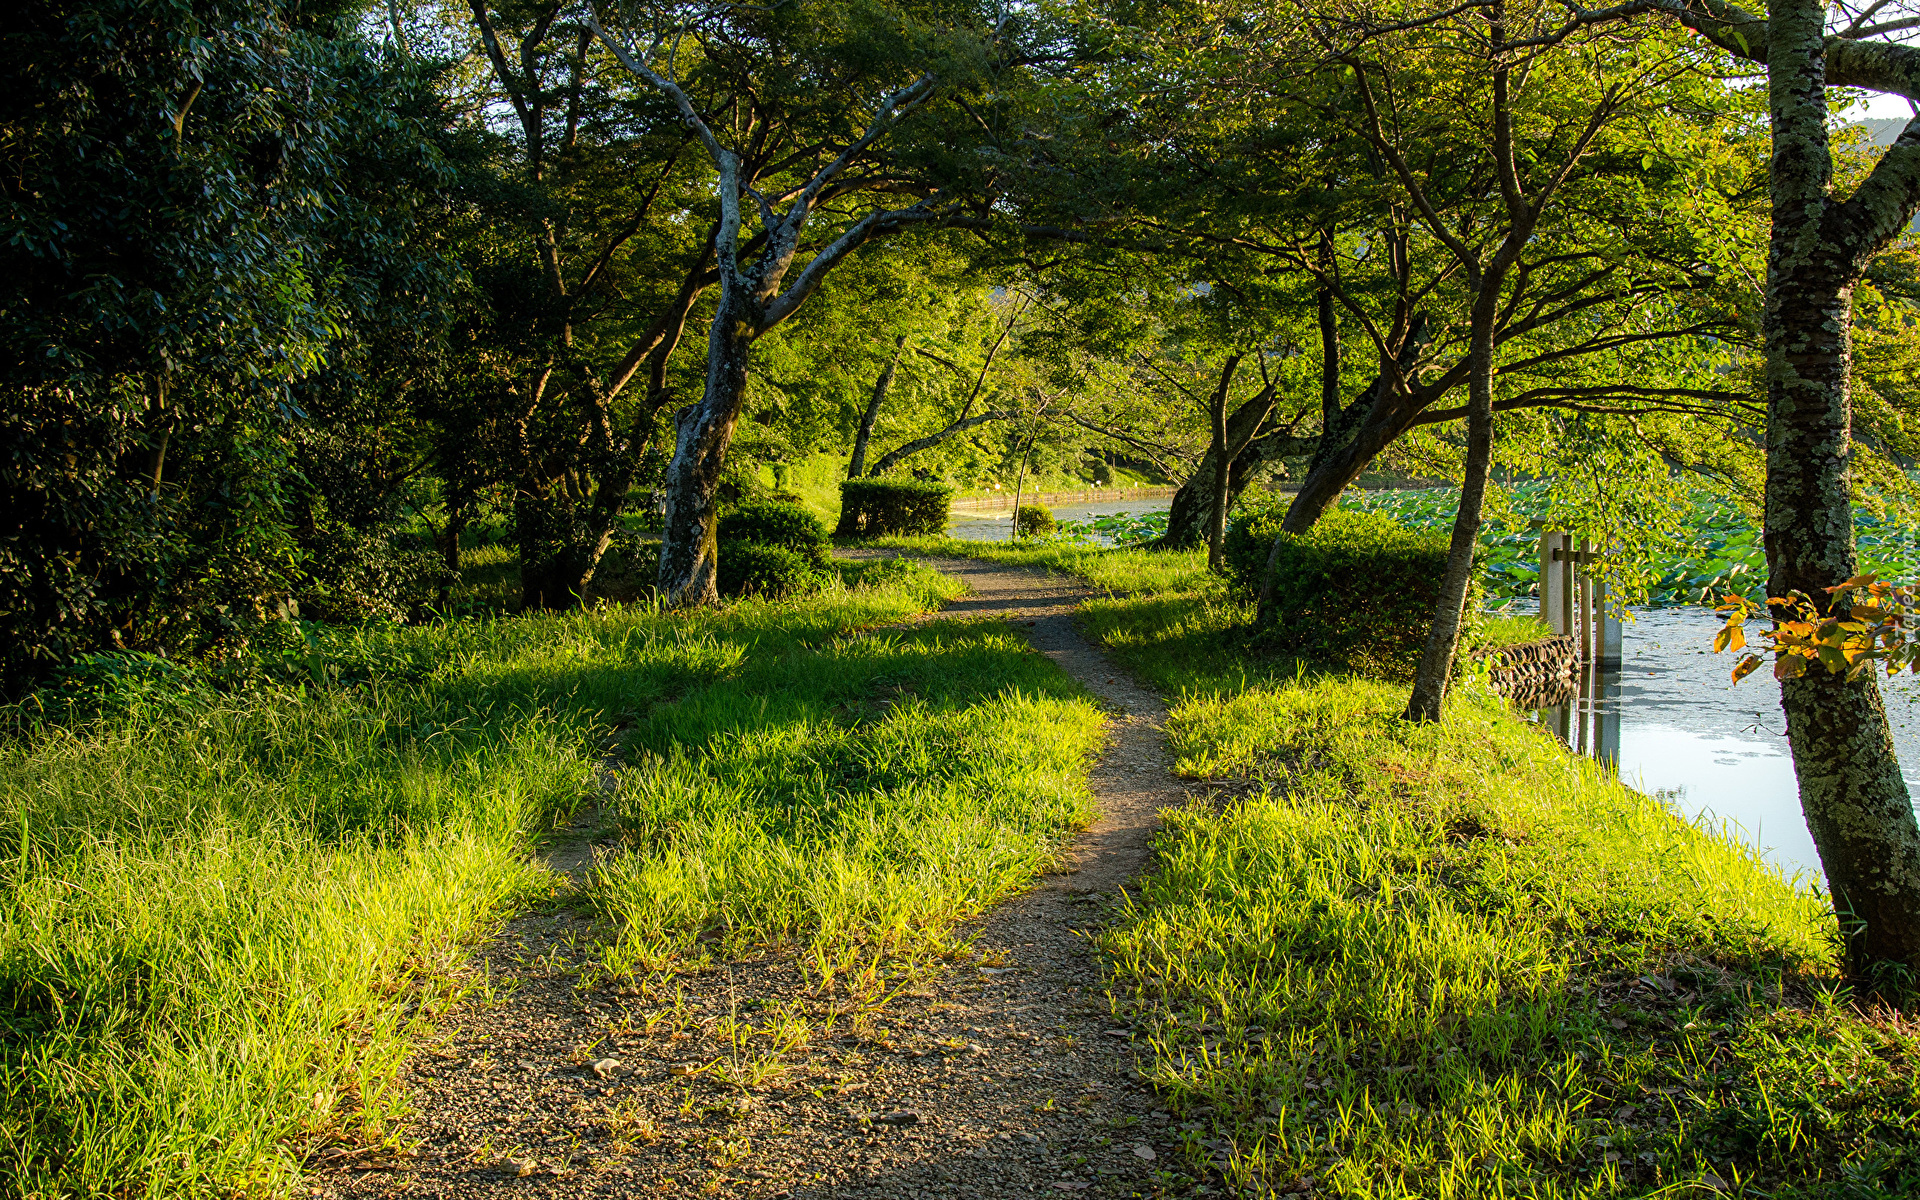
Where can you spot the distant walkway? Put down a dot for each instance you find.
(1084, 496)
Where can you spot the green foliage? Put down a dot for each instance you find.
(1034, 520)
(1357, 590)
(751, 569)
(154, 341)
(896, 507)
(772, 548)
(785, 524)
(1717, 550)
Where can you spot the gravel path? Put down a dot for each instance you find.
(1004, 1074)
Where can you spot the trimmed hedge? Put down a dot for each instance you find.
(777, 523)
(753, 569)
(1356, 591)
(771, 548)
(1034, 520)
(883, 507)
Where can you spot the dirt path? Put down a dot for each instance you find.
(1005, 1075)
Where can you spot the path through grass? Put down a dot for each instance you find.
(1455, 961)
(231, 897)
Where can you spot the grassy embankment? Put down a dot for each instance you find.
(1456, 961)
(228, 905)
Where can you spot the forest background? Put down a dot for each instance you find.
(305, 302)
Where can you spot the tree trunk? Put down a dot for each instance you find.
(450, 537)
(555, 564)
(1193, 502)
(1222, 452)
(1019, 483)
(1443, 640)
(858, 462)
(1356, 434)
(1856, 803)
(705, 430)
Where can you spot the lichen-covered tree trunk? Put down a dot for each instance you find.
(1194, 499)
(704, 431)
(1857, 805)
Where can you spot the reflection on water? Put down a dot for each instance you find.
(1716, 751)
(996, 524)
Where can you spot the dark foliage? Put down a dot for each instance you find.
(202, 198)
(776, 523)
(905, 507)
(1356, 591)
(751, 569)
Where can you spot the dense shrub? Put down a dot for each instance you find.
(1358, 590)
(1034, 520)
(753, 569)
(779, 523)
(879, 507)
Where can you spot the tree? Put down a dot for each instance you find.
(592, 254)
(203, 197)
(1856, 803)
(789, 97)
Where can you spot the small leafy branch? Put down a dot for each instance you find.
(1867, 621)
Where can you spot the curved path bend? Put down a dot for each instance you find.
(1004, 1076)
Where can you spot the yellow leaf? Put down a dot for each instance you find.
(1746, 666)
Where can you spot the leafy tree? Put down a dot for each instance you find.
(803, 113)
(182, 245)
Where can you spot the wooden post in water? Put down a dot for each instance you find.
(1556, 608)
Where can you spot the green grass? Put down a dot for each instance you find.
(1455, 961)
(1121, 572)
(232, 893)
(1498, 631)
(858, 799)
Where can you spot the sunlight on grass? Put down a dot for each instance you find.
(861, 796)
(1457, 961)
(231, 894)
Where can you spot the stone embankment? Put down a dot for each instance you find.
(1535, 674)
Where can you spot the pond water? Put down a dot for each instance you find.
(994, 524)
(1715, 751)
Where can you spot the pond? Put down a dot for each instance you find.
(995, 524)
(1678, 728)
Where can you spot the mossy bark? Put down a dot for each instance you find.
(1856, 803)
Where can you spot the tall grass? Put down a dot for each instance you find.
(860, 798)
(225, 906)
(1455, 961)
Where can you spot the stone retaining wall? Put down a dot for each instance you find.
(1535, 674)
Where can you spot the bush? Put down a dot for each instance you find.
(754, 569)
(1357, 591)
(879, 507)
(777, 523)
(1033, 520)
